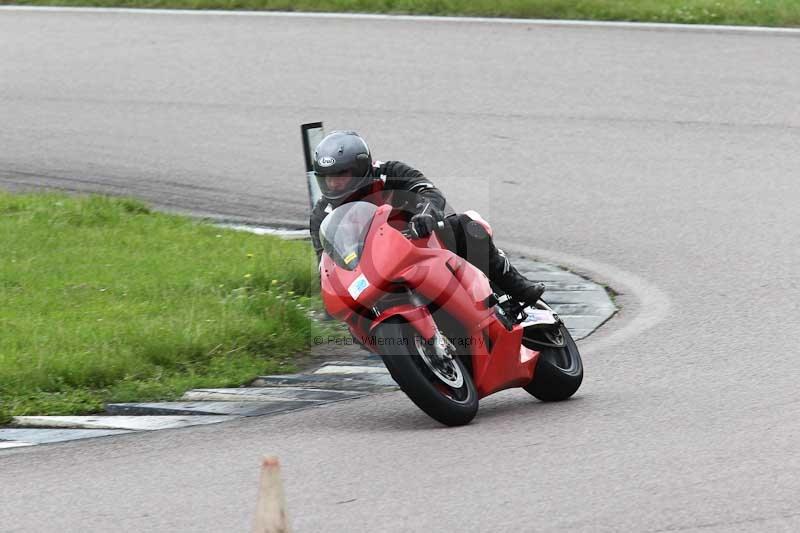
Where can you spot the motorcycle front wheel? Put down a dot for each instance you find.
(442, 388)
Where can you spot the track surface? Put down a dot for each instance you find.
(664, 162)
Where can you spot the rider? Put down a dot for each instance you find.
(346, 172)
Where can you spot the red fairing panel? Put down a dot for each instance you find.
(418, 317)
(509, 365)
(437, 275)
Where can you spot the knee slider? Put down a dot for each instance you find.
(476, 230)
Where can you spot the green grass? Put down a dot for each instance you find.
(751, 12)
(102, 300)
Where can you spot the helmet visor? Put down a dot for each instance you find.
(338, 186)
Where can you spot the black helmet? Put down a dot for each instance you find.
(342, 153)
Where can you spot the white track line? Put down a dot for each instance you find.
(650, 306)
(793, 32)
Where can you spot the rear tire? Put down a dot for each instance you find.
(559, 372)
(445, 404)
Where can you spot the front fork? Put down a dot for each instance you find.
(415, 312)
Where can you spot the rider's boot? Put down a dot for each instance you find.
(510, 281)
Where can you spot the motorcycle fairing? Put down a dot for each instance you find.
(418, 318)
(510, 364)
(439, 277)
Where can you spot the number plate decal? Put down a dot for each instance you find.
(358, 286)
(538, 316)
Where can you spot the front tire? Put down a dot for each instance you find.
(426, 386)
(559, 372)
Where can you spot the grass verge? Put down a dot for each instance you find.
(736, 12)
(102, 300)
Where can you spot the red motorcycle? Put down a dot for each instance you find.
(443, 333)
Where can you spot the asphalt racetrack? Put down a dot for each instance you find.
(663, 162)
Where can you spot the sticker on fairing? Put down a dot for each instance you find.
(350, 257)
(358, 286)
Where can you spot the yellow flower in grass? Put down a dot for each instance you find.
(274, 281)
(247, 276)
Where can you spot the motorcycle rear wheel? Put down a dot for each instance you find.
(406, 362)
(559, 372)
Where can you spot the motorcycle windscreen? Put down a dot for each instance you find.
(344, 230)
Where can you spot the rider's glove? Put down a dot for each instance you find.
(424, 222)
